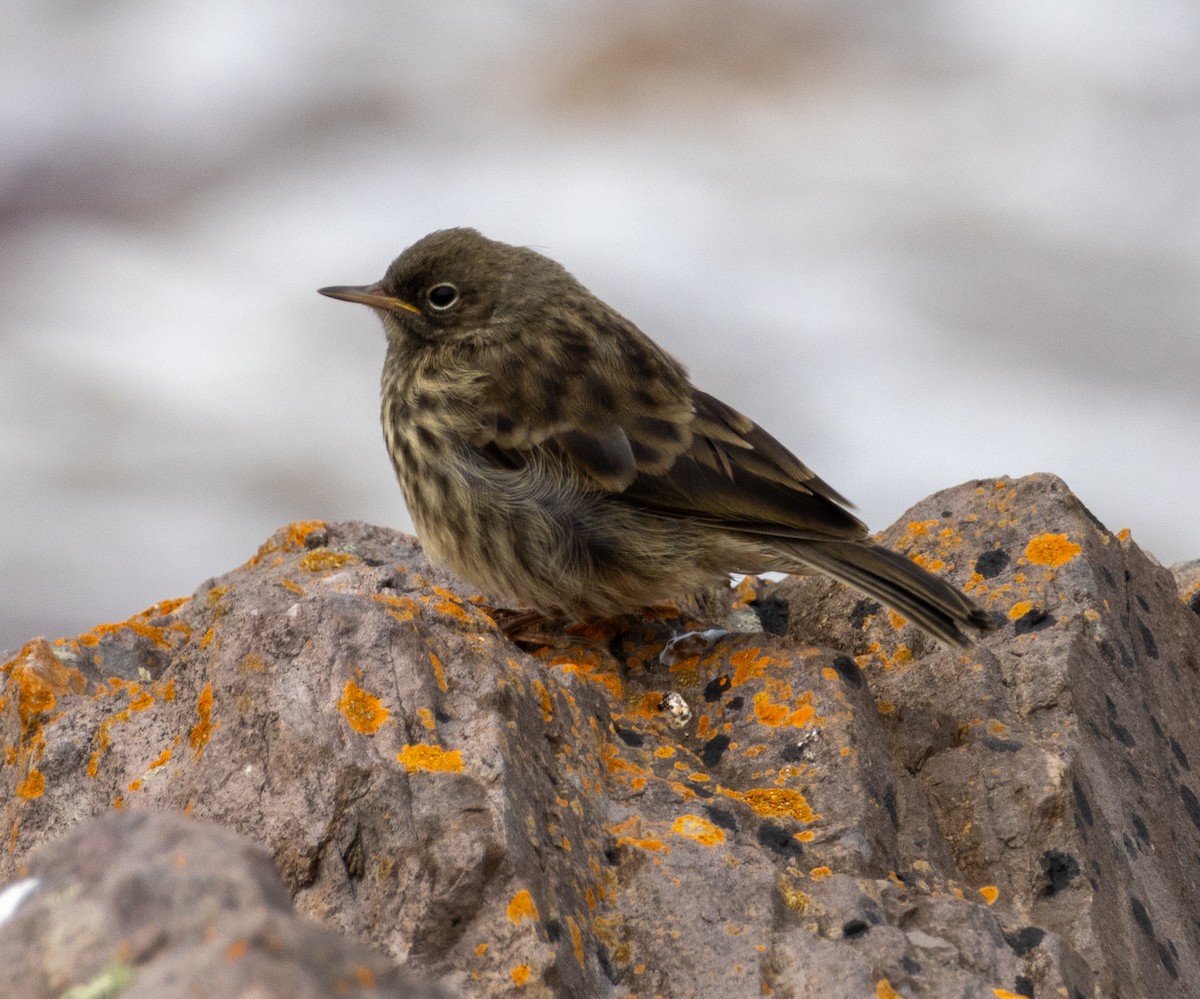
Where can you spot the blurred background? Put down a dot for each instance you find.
(921, 243)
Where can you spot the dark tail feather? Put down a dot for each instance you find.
(893, 579)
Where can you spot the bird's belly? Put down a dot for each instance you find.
(553, 546)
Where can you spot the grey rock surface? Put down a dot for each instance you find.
(146, 905)
(848, 809)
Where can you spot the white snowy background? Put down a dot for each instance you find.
(921, 243)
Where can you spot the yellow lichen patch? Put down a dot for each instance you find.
(434, 759)
(587, 668)
(292, 586)
(298, 532)
(1052, 550)
(161, 760)
(1005, 994)
(774, 714)
(884, 990)
(203, 729)
(805, 836)
(776, 802)
(168, 692)
(931, 564)
(918, 527)
(698, 829)
(746, 592)
(665, 752)
(830, 674)
(439, 674)
(616, 763)
(103, 741)
(135, 785)
(164, 636)
(323, 560)
(1020, 609)
(141, 701)
(1123, 535)
(576, 940)
(401, 608)
(364, 711)
(644, 843)
(520, 974)
(990, 893)
(748, 664)
(33, 785)
(215, 594)
(819, 873)
(522, 907)
(543, 696)
(425, 717)
(897, 621)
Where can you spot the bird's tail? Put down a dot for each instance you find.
(893, 579)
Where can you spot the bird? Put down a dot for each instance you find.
(552, 454)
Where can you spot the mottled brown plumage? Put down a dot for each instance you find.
(551, 453)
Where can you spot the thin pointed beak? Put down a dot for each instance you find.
(367, 294)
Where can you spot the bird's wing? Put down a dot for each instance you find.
(683, 454)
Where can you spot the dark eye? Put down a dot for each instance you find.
(442, 296)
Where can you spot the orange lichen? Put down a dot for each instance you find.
(647, 843)
(698, 829)
(777, 802)
(522, 907)
(774, 714)
(884, 990)
(364, 976)
(748, 664)
(1052, 550)
(297, 532)
(103, 741)
(323, 560)
(141, 701)
(806, 836)
(520, 974)
(1005, 994)
(135, 785)
(364, 712)
(576, 939)
(33, 785)
(990, 893)
(203, 729)
(1020, 609)
(544, 700)
(161, 760)
(439, 674)
(434, 759)
(425, 717)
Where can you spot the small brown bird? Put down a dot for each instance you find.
(552, 453)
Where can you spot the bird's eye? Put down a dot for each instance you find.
(442, 296)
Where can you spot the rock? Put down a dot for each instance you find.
(832, 806)
(147, 905)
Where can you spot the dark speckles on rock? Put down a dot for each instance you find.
(1022, 941)
(1141, 916)
(553, 930)
(848, 670)
(991, 563)
(441, 716)
(772, 615)
(1121, 733)
(889, 803)
(910, 964)
(1034, 619)
(735, 703)
(1023, 986)
(1148, 642)
(702, 792)
(1139, 829)
(721, 817)
(863, 610)
(716, 687)
(1180, 755)
(779, 839)
(855, 928)
(1194, 603)
(998, 745)
(1167, 958)
(629, 736)
(1141, 601)
(1191, 804)
(792, 753)
(604, 959)
(1058, 869)
(713, 750)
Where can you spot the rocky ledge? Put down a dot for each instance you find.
(825, 803)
